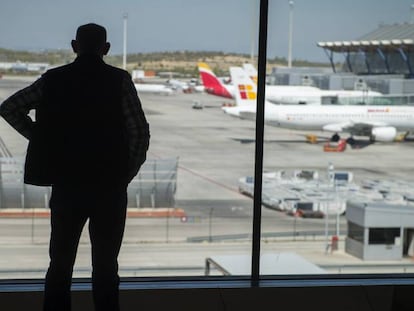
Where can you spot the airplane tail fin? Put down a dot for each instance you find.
(211, 83)
(251, 71)
(207, 76)
(245, 88)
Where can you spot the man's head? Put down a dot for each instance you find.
(91, 39)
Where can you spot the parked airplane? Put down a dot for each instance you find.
(212, 84)
(178, 84)
(153, 88)
(379, 123)
(186, 87)
(304, 94)
(279, 94)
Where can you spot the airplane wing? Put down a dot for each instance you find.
(337, 127)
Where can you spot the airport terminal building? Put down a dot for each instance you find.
(381, 60)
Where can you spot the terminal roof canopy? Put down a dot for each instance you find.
(389, 49)
(385, 36)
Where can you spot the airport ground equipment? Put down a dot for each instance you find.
(339, 146)
(312, 139)
(309, 193)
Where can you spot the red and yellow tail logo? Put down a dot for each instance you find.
(246, 91)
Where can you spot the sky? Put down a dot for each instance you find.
(196, 25)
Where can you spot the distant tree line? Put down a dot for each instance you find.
(177, 61)
(52, 57)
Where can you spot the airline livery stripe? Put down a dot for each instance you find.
(203, 65)
(246, 91)
(247, 95)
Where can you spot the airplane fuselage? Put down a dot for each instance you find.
(318, 117)
(153, 88)
(308, 95)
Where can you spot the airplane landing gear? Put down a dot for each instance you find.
(350, 141)
(335, 138)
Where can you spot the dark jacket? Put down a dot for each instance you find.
(79, 135)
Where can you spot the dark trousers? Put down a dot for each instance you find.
(70, 208)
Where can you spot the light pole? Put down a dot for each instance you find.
(125, 16)
(253, 32)
(338, 203)
(331, 177)
(290, 33)
(210, 225)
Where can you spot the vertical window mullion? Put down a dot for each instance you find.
(257, 199)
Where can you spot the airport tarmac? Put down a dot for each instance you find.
(214, 151)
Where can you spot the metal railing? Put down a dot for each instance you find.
(154, 186)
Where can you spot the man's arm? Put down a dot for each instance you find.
(137, 127)
(15, 110)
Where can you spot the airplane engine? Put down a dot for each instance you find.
(386, 134)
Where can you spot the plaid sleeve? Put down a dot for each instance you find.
(15, 110)
(137, 127)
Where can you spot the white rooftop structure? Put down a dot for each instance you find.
(270, 264)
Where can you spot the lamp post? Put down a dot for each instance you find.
(253, 32)
(291, 3)
(331, 178)
(125, 16)
(210, 225)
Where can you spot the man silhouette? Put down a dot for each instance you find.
(89, 139)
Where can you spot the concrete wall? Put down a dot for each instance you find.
(354, 248)
(338, 298)
(382, 252)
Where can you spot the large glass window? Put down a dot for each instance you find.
(311, 172)
(191, 205)
(184, 206)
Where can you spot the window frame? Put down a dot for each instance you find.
(255, 279)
